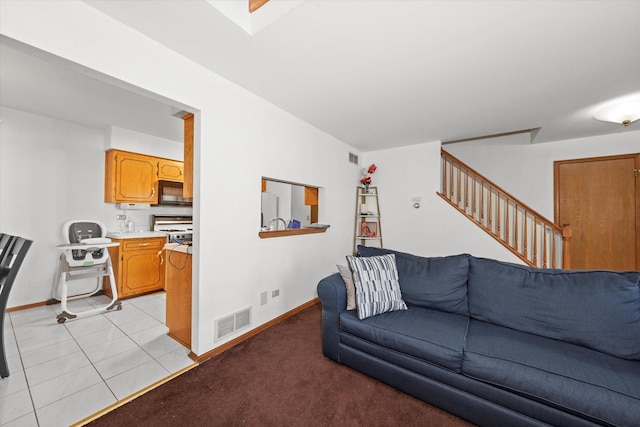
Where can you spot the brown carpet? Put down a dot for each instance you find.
(277, 378)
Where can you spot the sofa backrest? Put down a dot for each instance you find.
(437, 283)
(596, 309)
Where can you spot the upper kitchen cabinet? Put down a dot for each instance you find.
(170, 170)
(133, 178)
(130, 177)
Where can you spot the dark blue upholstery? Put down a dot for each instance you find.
(429, 335)
(587, 382)
(439, 283)
(333, 294)
(508, 376)
(597, 309)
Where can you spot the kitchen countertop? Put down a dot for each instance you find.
(134, 234)
(179, 248)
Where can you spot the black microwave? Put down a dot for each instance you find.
(170, 194)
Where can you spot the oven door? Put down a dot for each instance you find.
(170, 194)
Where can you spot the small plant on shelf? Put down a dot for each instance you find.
(366, 176)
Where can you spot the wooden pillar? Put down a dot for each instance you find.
(566, 247)
(187, 186)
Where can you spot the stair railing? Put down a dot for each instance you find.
(531, 237)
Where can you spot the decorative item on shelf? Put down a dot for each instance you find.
(366, 177)
(368, 229)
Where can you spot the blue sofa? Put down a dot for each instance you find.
(498, 343)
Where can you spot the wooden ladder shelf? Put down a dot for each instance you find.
(367, 230)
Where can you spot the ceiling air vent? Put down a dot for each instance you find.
(232, 323)
(353, 158)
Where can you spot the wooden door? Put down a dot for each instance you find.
(600, 199)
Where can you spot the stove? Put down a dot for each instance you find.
(178, 228)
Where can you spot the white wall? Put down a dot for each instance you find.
(238, 139)
(434, 229)
(526, 170)
(299, 210)
(129, 140)
(51, 172)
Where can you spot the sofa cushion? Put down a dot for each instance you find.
(582, 380)
(347, 277)
(439, 282)
(376, 282)
(433, 336)
(597, 309)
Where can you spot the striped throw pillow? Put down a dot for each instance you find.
(377, 286)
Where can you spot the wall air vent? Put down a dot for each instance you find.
(353, 158)
(232, 323)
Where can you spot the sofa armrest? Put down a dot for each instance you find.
(333, 296)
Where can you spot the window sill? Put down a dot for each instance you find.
(289, 232)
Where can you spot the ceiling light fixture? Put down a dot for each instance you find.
(622, 113)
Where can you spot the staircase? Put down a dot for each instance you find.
(531, 237)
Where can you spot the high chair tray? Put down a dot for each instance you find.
(85, 245)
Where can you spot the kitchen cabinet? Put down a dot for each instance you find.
(311, 196)
(129, 177)
(178, 289)
(311, 199)
(170, 170)
(138, 265)
(133, 177)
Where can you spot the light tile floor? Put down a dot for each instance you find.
(63, 373)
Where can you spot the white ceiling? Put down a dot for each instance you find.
(45, 85)
(379, 74)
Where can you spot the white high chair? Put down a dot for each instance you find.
(84, 256)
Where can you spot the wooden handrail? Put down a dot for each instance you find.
(256, 4)
(525, 232)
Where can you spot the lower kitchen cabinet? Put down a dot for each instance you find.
(138, 266)
(178, 279)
